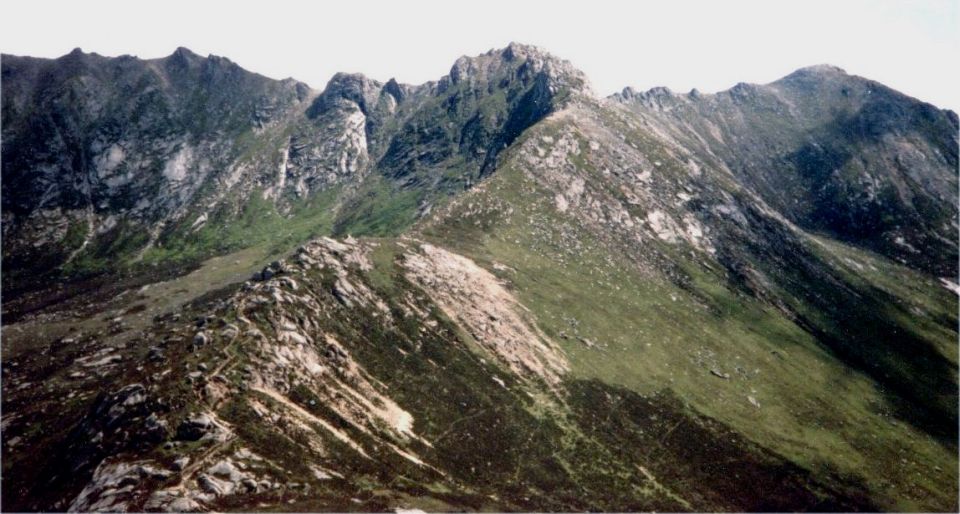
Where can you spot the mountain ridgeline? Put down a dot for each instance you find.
(496, 291)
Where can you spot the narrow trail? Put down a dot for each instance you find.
(450, 428)
(206, 457)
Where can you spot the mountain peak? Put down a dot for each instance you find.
(182, 57)
(822, 69)
(516, 51)
(817, 72)
(183, 52)
(353, 87)
(525, 61)
(655, 97)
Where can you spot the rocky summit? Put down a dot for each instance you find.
(497, 291)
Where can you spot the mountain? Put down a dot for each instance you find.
(496, 291)
(833, 153)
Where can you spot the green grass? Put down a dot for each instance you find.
(654, 332)
(257, 224)
(76, 233)
(378, 209)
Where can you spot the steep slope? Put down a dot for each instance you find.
(834, 153)
(108, 162)
(583, 304)
(657, 272)
(446, 136)
(125, 166)
(373, 376)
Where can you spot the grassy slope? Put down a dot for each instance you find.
(515, 448)
(652, 335)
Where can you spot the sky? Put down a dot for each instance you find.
(911, 46)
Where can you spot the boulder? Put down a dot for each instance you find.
(180, 463)
(183, 505)
(155, 354)
(195, 427)
(201, 339)
(208, 485)
(155, 429)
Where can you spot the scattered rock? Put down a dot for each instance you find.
(112, 486)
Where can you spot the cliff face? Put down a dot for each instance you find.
(494, 291)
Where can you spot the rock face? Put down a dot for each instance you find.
(653, 301)
(833, 153)
(98, 149)
(107, 159)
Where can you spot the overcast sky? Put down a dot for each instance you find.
(911, 46)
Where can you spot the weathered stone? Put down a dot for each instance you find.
(155, 354)
(180, 463)
(209, 485)
(195, 427)
(249, 484)
(719, 373)
(155, 429)
(200, 339)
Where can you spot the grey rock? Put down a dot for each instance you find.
(195, 427)
(717, 373)
(155, 429)
(180, 463)
(156, 354)
(183, 505)
(249, 484)
(209, 485)
(201, 339)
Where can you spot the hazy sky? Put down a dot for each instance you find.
(711, 45)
